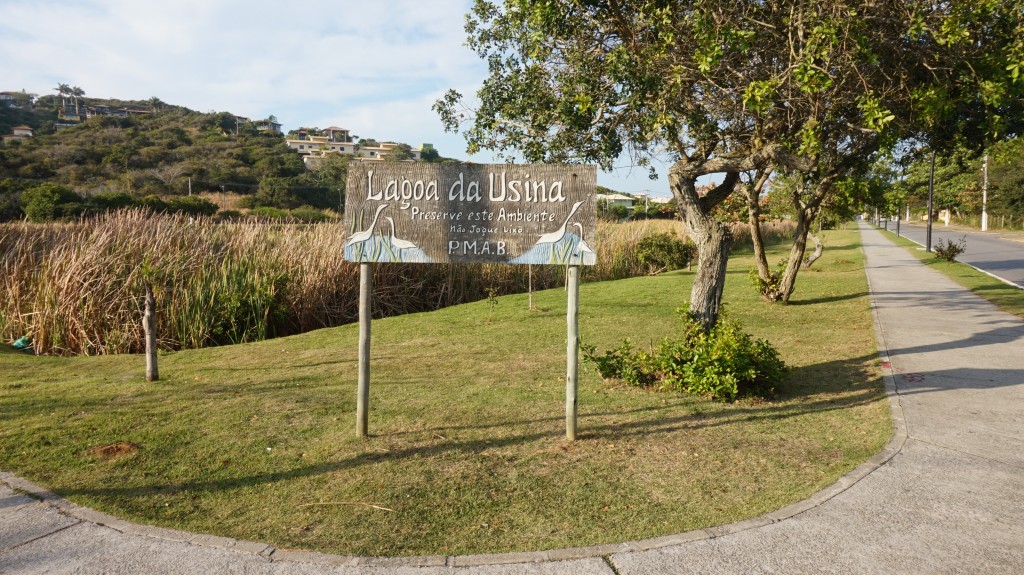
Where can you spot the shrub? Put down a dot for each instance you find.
(664, 252)
(268, 213)
(770, 288)
(191, 205)
(949, 250)
(113, 200)
(309, 214)
(723, 363)
(154, 203)
(40, 203)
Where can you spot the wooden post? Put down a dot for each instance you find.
(572, 352)
(529, 288)
(365, 300)
(149, 327)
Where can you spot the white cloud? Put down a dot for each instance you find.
(374, 67)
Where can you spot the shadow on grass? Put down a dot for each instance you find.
(835, 393)
(829, 299)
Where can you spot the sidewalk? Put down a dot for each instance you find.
(946, 496)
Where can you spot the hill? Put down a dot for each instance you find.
(156, 152)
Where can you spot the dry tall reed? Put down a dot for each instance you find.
(76, 288)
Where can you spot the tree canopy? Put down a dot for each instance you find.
(728, 87)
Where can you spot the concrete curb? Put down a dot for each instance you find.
(895, 445)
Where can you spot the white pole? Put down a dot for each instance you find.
(984, 195)
(529, 288)
(363, 392)
(572, 353)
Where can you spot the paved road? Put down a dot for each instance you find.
(945, 496)
(1000, 254)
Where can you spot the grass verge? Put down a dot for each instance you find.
(1006, 297)
(257, 441)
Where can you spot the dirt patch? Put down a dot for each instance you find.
(114, 450)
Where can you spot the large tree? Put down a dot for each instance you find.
(714, 86)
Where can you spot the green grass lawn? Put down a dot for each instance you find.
(467, 453)
(1006, 297)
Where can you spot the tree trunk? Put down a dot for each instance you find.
(713, 241)
(764, 272)
(754, 221)
(818, 247)
(804, 219)
(149, 328)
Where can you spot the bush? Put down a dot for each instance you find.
(191, 205)
(310, 215)
(40, 203)
(723, 363)
(268, 213)
(664, 252)
(155, 204)
(113, 201)
(949, 250)
(770, 288)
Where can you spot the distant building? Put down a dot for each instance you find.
(314, 145)
(100, 110)
(19, 134)
(384, 149)
(268, 126)
(613, 200)
(328, 140)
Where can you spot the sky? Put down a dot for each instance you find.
(374, 67)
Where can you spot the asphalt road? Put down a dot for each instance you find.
(1000, 254)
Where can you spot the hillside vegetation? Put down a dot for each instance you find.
(109, 161)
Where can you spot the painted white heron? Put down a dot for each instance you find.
(365, 234)
(582, 247)
(557, 235)
(396, 242)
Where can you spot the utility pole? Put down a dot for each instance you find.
(931, 190)
(984, 195)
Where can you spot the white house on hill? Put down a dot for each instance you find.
(314, 145)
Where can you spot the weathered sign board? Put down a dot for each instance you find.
(471, 213)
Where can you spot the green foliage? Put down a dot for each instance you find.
(664, 251)
(430, 155)
(40, 202)
(268, 213)
(948, 250)
(251, 307)
(310, 215)
(723, 363)
(191, 205)
(114, 200)
(770, 288)
(44, 202)
(107, 159)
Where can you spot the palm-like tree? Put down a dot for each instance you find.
(63, 90)
(77, 93)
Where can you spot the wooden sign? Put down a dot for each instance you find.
(471, 213)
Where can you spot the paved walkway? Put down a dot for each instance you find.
(946, 496)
